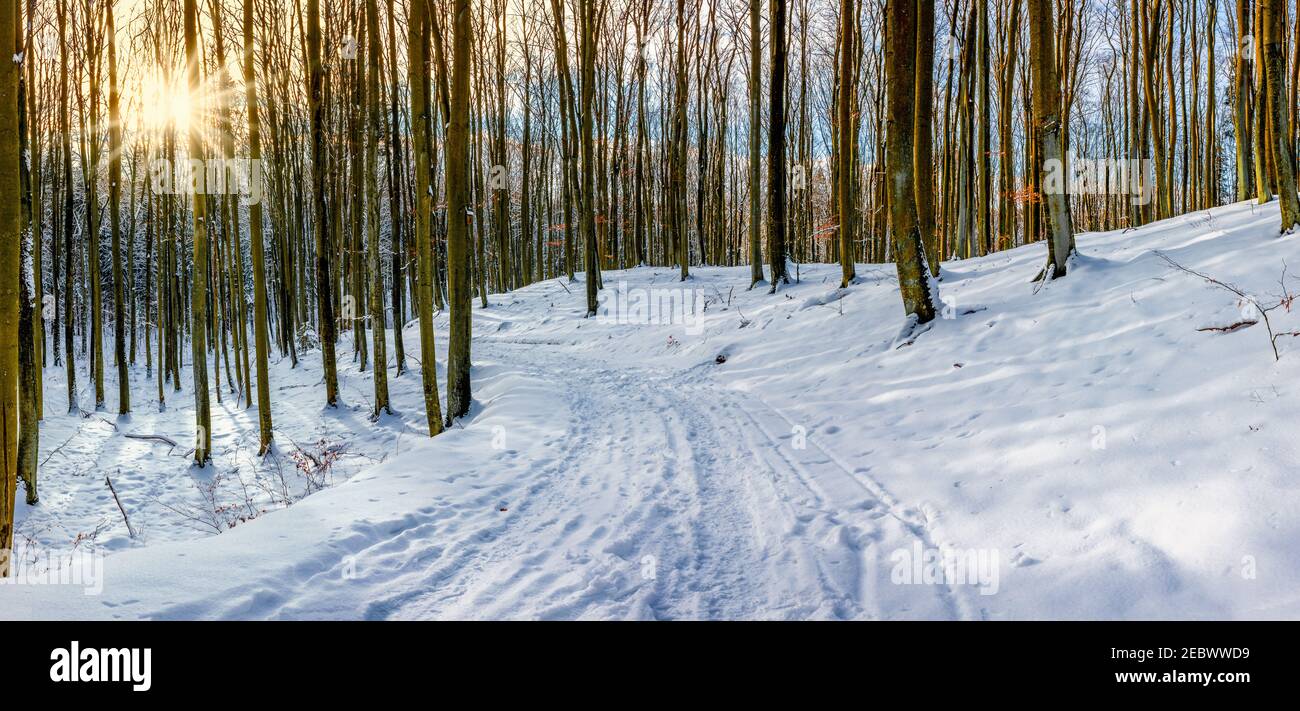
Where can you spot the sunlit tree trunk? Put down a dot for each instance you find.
(776, 234)
(914, 279)
(1273, 13)
(396, 188)
(378, 323)
(755, 144)
(115, 216)
(320, 225)
(922, 134)
(458, 211)
(260, 337)
(29, 306)
(11, 237)
(847, 100)
(1047, 119)
(1006, 184)
(198, 290)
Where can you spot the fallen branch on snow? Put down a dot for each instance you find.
(1230, 327)
(1284, 302)
(129, 531)
(152, 438)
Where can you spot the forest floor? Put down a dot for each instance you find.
(1080, 449)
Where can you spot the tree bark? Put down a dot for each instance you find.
(458, 211)
(914, 279)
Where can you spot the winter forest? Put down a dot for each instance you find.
(649, 309)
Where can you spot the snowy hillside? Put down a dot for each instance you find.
(782, 456)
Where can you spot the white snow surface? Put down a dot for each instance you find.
(1116, 461)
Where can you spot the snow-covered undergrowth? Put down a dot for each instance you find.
(1080, 449)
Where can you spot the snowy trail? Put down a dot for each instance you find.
(656, 494)
(661, 505)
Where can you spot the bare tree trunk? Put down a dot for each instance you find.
(11, 239)
(914, 279)
(199, 290)
(776, 167)
(115, 216)
(320, 222)
(458, 209)
(1273, 13)
(1047, 118)
(922, 133)
(378, 323)
(260, 338)
(755, 145)
(418, 25)
(845, 165)
(1241, 115)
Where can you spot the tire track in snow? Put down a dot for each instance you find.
(915, 521)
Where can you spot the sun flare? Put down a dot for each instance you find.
(165, 104)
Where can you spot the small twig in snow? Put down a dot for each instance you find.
(129, 530)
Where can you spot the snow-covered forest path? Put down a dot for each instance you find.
(672, 497)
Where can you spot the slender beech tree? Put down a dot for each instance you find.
(320, 223)
(255, 238)
(458, 215)
(418, 28)
(776, 167)
(29, 306)
(378, 325)
(1273, 13)
(1241, 114)
(914, 279)
(199, 286)
(120, 294)
(1047, 123)
(846, 168)
(90, 173)
(922, 133)
(396, 194)
(11, 238)
(755, 143)
(65, 153)
(587, 197)
(1259, 113)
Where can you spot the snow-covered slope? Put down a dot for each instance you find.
(782, 456)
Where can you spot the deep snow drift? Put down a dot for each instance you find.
(1073, 450)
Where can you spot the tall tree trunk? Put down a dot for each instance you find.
(776, 168)
(320, 223)
(587, 196)
(396, 183)
(199, 289)
(922, 134)
(260, 337)
(1260, 146)
(677, 152)
(1273, 13)
(914, 278)
(458, 212)
(115, 216)
(1047, 123)
(11, 238)
(1006, 185)
(755, 145)
(982, 163)
(844, 162)
(417, 68)
(378, 325)
(90, 173)
(1241, 122)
